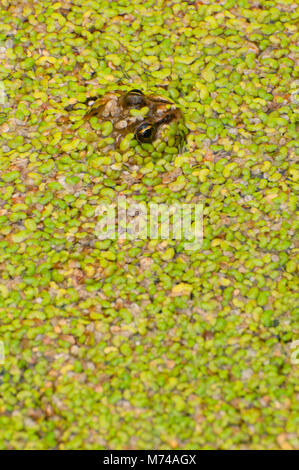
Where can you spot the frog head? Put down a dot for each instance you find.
(146, 120)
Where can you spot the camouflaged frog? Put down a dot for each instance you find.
(145, 118)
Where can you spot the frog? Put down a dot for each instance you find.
(146, 118)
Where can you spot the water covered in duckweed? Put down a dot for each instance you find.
(141, 344)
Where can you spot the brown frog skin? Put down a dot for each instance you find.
(116, 107)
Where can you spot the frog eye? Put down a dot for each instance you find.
(134, 99)
(145, 132)
(135, 92)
